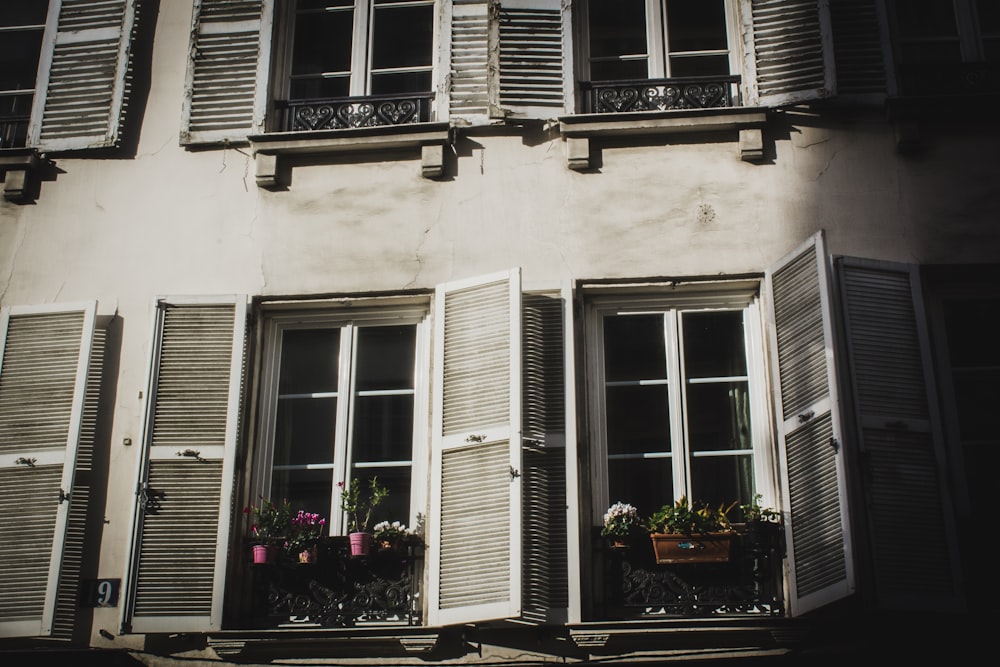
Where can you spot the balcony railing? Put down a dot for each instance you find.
(662, 94)
(338, 590)
(750, 584)
(352, 112)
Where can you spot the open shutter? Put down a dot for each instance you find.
(858, 44)
(911, 524)
(548, 514)
(531, 58)
(790, 59)
(812, 456)
(225, 91)
(43, 377)
(475, 547)
(82, 77)
(469, 52)
(184, 495)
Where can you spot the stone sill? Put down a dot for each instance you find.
(355, 641)
(580, 129)
(430, 138)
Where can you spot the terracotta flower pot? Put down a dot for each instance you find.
(672, 548)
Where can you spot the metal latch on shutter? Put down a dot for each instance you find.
(63, 496)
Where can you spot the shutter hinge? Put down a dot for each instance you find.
(63, 496)
(514, 474)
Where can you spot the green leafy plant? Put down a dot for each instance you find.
(304, 531)
(269, 521)
(358, 506)
(620, 521)
(689, 519)
(754, 512)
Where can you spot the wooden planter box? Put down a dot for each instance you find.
(672, 548)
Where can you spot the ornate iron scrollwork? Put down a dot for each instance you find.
(663, 95)
(347, 113)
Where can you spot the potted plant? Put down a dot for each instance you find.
(269, 524)
(304, 532)
(683, 532)
(620, 522)
(754, 513)
(395, 536)
(358, 508)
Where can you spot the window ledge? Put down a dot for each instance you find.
(269, 644)
(430, 138)
(20, 167)
(579, 129)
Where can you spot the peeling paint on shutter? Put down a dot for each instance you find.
(911, 532)
(475, 550)
(820, 566)
(469, 95)
(84, 76)
(184, 504)
(225, 89)
(791, 55)
(43, 373)
(858, 47)
(531, 58)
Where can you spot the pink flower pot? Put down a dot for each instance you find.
(360, 543)
(263, 553)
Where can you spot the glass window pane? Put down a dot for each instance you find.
(617, 28)
(926, 18)
(24, 12)
(638, 419)
(721, 480)
(19, 59)
(619, 70)
(383, 428)
(401, 83)
(322, 42)
(634, 348)
(385, 357)
(308, 490)
(718, 416)
(645, 483)
(320, 87)
(304, 431)
(309, 361)
(713, 344)
(969, 342)
(696, 25)
(699, 66)
(402, 37)
(396, 505)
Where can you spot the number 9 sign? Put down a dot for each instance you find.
(100, 592)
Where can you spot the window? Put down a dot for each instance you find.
(942, 31)
(342, 48)
(21, 28)
(340, 404)
(675, 390)
(655, 39)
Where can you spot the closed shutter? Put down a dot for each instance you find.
(184, 512)
(911, 526)
(531, 58)
(791, 59)
(545, 323)
(43, 378)
(82, 75)
(812, 456)
(858, 45)
(225, 88)
(475, 547)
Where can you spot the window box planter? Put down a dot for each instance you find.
(675, 548)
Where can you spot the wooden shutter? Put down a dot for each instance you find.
(546, 322)
(858, 30)
(43, 376)
(475, 547)
(82, 75)
(911, 524)
(468, 93)
(225, 89)
(811, 445)
(530, 58)
(791, 56)
(184, 494)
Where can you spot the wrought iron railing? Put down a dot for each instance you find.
(750, 584)
(352, 112)
(338, 590)
(13, 131)
(662, 94)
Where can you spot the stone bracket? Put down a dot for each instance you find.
(20, 167)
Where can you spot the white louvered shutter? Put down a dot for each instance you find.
(43, 380)
(225, 91)
(821, 567)
(82, 75)
(475, 546)
(184, 498)
(911, 525)
(468, 89)
(531, 59)
(859, 54)
(790, 57)
(545, 324)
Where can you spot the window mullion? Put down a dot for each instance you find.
(342, 454)
(656, 39)
(361, 50)
(676, 394)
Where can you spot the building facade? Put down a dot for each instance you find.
(513, 262)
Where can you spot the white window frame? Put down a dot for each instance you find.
(736, 297)
(349, 319)
(970, 37)
(657, 54)
(44, 53)
(361, 53)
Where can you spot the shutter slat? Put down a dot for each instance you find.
(530, 59)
